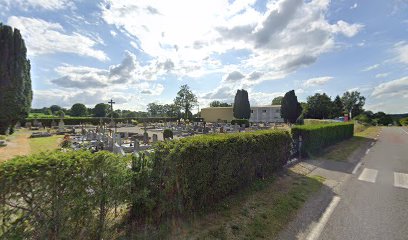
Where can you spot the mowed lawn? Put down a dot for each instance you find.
(20, 143)
(343, 150)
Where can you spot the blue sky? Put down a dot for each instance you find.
(138, 52)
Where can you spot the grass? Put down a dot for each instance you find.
(259, 212)
(43, 144)
(343, 150)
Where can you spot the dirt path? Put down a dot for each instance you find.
(18, 145)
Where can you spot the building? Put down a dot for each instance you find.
(267, 113)
(217, 114)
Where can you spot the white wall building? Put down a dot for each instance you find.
(267, 113)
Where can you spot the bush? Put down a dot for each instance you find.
(59, 195)
(404, 121)
(167, 133)
(240, 122)
(192, 174)
(317, 137)
(93, 120)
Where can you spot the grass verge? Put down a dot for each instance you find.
(43, 144)
(259, 212)
(341, 151)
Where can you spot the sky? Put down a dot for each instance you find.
(137, 52)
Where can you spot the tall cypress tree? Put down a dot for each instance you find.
(290, 107)
(242, 108)
(15, 81)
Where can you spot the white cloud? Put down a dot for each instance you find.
(382, 75)
(38, 4)
(44, 37)
(394, 88)
(372, 67)
(355, 5)
(113, 33)
(401, 49)
(288, 35)
(318, 81)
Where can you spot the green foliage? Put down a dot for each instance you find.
(185, 100)
(277, 100)
(216, 103)
(78, 110)
(319, 106)
(192, 174)
(241, 109)
(404, 121)
(93, 120)
(317, 137)
(337, 108)
(59, 195)
(240, 122)
(166, 110)
(100, 110)
(290, 107)
(55, 108)
(353, 103)
(167, 133)
(15, 79)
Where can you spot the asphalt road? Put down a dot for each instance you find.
(373, 204)
(366, 198)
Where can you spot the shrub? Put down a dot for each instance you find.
(404, 121)
(317, 137)
(93, 120)
(66, 142)
(63, 195)
(193, 173)
(167, 133)
(240, 122)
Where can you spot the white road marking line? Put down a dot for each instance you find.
(317, 230)
(368, 175)
(401, 180)
(404, 131)
(356, 167)
(368, 150)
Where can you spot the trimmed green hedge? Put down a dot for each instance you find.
(56, 195)
(95, 120)
(192, 174)
(317, 137)
(240, 122)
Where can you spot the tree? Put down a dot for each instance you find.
(55, 108)
(337, 108)
(15, 80)
(242, 108)
(78, 110)
(185, 100)
(277, 100)
(290, 107)
(216, 103)
(319, 106)
(154, 109)
(100, 110)
(353, 103)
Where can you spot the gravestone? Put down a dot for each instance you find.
(36, 123)
(53, 123)
(155, 138)
(18, 125)
(145, 138)
(136, 146)
(61, 126)
(28, 124)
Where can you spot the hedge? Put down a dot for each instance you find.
(94, 120)
(240, 122)
(317, 137)
(73, 195)
(192, 174)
